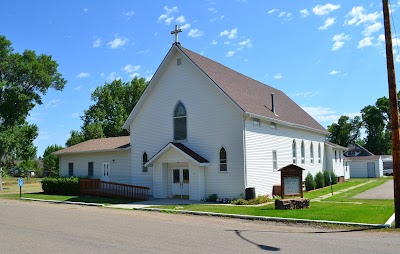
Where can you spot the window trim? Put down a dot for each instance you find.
(319, 153)
(274, 160)
(179, 117)
(311, 153)
(303, 153)
(145, 159)
(221, 160)
(90, 169)
(294, 152)
(335, 156)
(70, 169)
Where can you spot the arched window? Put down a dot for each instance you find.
(144, 160)
(180, 130)
(294, 153)
(311, 154)
(319, 153)
(335, 156)
(303, 153)
(222, 160)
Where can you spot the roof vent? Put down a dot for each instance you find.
(273, 104)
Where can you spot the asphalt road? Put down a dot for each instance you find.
(33, 227)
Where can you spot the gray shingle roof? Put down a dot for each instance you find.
(251, 95)
(98, 145)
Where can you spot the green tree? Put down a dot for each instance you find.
(28, 165)
(345, 131)
(24, 78)
(50, 161)
(113, 103)
(377, 141)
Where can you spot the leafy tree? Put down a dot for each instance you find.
(345, 131)
(377, 141)
(27, 165)
(113, 103)
(50, 161)
(24, 78)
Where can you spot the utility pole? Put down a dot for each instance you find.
(394, 112)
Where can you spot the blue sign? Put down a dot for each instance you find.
(20, 182)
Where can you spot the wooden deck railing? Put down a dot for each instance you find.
(114, 190)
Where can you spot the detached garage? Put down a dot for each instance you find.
(365, 166)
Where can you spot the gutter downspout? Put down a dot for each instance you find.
(244, 152)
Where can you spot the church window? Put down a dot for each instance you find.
(180, 128)
(303, 156)
(319, 153)
(144, 160)
(222, 160)
(311, 154)
(294, 153)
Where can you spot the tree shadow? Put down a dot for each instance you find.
(261, 246)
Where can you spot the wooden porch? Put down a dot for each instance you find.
(96, 187)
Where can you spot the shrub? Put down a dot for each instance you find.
(334, 178)
(240, 201)
(255, 201)
(61, 186)
(319, 180)
(310, 183)
(212, 198)
(326, 178)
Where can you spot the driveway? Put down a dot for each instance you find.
(383, 191)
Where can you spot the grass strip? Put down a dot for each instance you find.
(340, 186)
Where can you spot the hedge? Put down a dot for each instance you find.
(68, 186)
(310, 183)
(319, 180)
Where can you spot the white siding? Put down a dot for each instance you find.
(120, 168)
(262, 140)
(212, 122)
(359, 168)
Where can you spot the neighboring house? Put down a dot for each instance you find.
(107, 159)
(201, 128)
(363, 163)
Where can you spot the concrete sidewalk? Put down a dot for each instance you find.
(383, 191)
(156, 202)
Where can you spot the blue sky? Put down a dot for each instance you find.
(328, 56)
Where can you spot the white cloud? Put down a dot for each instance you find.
(117, 42)
(170, 10)
(78, 88)
(321, 10)
(246, 43)
(195, 33)
(135, 74)
(230, 34)
(334, 72)
(75, 115)
(381, 38)
(339, 41)
(366, 42)
(53, 103)
(307, 94)
(131, 68)
(128, 13)
(113, 76)
(97, 43)
(396, 42)
(372, 28)
(272, 11)
(278, 76)
(398, 58)
(214, 42)
(169, 20)
(181, 19)
(284, 14)
(212, 10)
(185, 26)
(358, 16)
(322, 114)
(304, 13)
(83, 75)
(162, 16)
(230, 53)
(328, 22)
(85, 10)
(167, 16)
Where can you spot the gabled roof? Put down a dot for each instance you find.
(364, 158)
(98, 145)
(182, 149)
(251, 96)
(335, 146)
(356, 147)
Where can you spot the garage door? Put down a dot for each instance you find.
(371, 169)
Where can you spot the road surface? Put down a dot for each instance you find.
(33, 227)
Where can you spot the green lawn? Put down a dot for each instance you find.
(369, 211)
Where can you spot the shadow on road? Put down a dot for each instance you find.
(261, 246)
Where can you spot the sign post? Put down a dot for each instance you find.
(330, 181)
(20, 183)
(291, 181)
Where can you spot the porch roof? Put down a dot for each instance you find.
(182, 149)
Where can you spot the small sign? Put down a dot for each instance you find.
(20, 182)
(292, 185)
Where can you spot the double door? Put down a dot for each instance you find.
(180, 182)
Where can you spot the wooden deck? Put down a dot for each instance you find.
(114, 190)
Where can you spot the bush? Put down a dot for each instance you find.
(334, 178)
(240, 201)
(61, 186)
(319, 180)
(212, 198)
(326, 178)
(310, 183)
(255, 201)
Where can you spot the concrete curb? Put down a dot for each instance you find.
(63, 202)
(264, 218)
(390, 221)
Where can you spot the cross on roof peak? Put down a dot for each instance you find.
(175, 32)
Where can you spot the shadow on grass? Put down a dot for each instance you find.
(85, 199)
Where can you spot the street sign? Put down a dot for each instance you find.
(20, 182)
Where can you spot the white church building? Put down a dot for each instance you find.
(201, 128)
